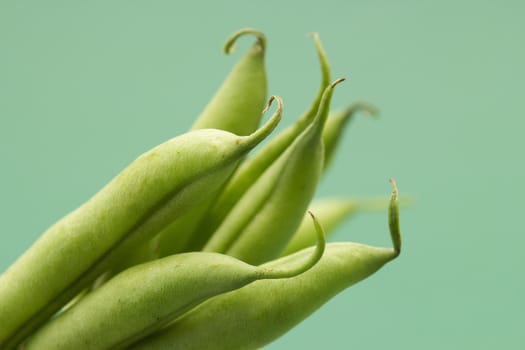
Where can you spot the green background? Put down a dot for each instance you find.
(86, 86)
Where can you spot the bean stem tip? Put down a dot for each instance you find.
(393, 218)
(269, 126)
(229, 46)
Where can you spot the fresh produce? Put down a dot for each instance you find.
(198, 244)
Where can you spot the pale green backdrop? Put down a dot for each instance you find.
(86, 86)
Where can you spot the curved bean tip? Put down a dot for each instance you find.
(229, 46)
(336, 82)
(295, 270)
(324, 104)
(261, 133)
(321, 235)
(313, 35)
(393, 218)
(321, 238)
(360, 106)
(270, 101)
(368, 108)
(394, 186)
(323, 59)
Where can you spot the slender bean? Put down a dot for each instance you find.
(236, 106)
(153, 190)
(251, 169)
(146, 297)
(281, 195)
(175, 237)
(257, 314)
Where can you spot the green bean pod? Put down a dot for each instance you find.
(153, 190)
(335, 125)
(146, 297)
(236, 106)
(259, 313)
(279, 197)
(332, 211)
(175, 237)
(252, 168)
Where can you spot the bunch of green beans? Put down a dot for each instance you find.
(198, 244)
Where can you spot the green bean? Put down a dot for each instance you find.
(332, 211)
(237, 105)
(153, 190)
(393, 218)
(281, 195)
(146, 297)
(250, 317)
(175, 237)
(251, 169)
(169, 242)
(335, 125)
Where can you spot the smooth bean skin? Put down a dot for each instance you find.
(174, 238)
(253, 167)
(237, 105)
(278, 199)
(141, 299)
(335, 125)
(259, 313)
(158, 186)
(146, 297)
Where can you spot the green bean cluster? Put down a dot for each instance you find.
(198, 244)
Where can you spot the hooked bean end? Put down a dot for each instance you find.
(323, 59)
(357, 107)
(229, 46)
(324, 105)
(269, 272)
(393, 218)
(269, 126)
